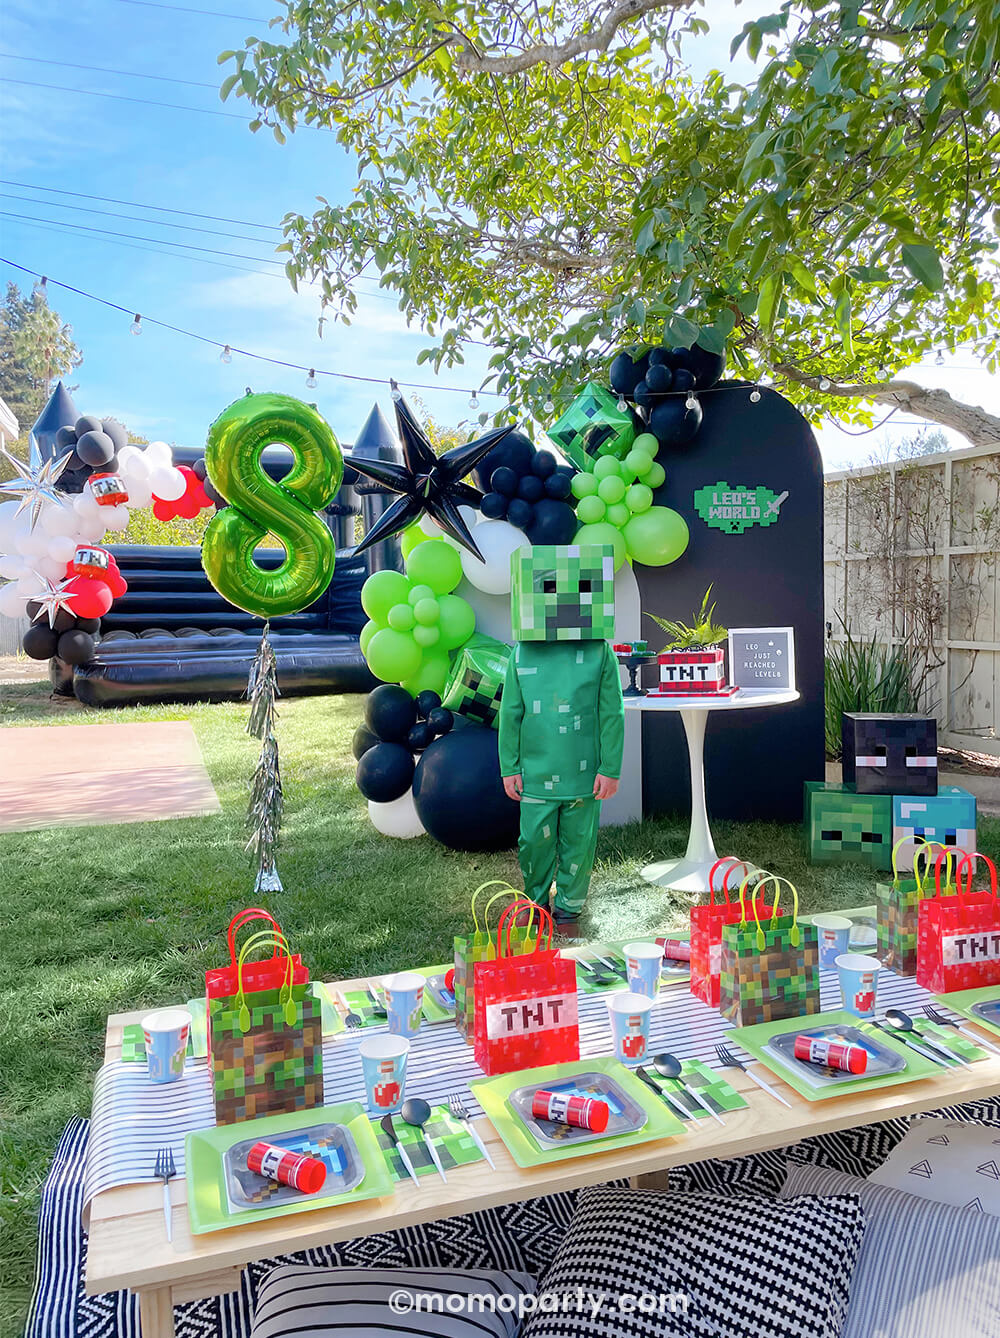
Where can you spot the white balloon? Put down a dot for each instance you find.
(57, 518)
(33, 544)
(497, 540)
(62, 548)
(168, 484)
(92, 530)
(116, 518)
(48, 566)
(158, 454)
(11, 567)
(85, 505)
(140, 494)
(29, 585)
(126, 454)
(134, 467)
(398, 818)
(7, 510)
(11, 603)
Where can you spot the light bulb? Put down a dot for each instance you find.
(549, 405)
(226, 355)
(692, 400)
(311, 379)
(473, 401)
(939, 360)
(755, 396)
(825, 383)
(622, 404)
(136, 326)
(395, 391)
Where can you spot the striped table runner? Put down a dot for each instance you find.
(133, 1118)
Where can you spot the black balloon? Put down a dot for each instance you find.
(200, 469)
(552, 522)
(558, 486)
(544, 464)
(385, 772)
(672, 423)
(364, 738)
(659, 379)
(627, 371)
(212, 494)
(644, 396)
(88, 423)
(95, 448)
(516, 452)
(494, 506)
(520, 512)
(531, 488)
(64, 620)
(504, 480)
(75, 647)
(421, 736)
(390, 712)
(427, 701)
(90, 625)
(440, 719)
(66, 436)
(660, 357)
(117, 433)
(707, 367)
(459, 795)
(39, 641)
(683, 379)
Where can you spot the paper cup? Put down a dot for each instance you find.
(834, 932)
(630, 1027)
(643, 963)
(383, 1062)
(166, 1035)
(858, 982)
(404, 998)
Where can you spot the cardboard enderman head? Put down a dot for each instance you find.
(564, 593)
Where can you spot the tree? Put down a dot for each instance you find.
(36, 349)
(550, 180)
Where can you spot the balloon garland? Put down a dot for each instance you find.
(258, 505)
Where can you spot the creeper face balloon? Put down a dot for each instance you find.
(563, 593)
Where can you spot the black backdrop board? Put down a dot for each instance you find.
(768, 575)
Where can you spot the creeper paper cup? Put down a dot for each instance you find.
(630, 1027)
(383, 1062)
(166, 1036)
(404, 998)
(643, 962)
(834, 933)
(858, 982)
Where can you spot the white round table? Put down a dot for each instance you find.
(690, 874)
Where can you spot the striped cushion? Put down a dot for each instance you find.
(925, 1270)
(345, 1302)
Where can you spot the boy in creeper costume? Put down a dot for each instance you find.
(562, 721)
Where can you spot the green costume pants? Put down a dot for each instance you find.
(558, 840)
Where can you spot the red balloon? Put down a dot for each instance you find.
(117, 584)
(164, 510)
(89, 599)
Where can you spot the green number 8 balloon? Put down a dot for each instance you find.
(258, 505)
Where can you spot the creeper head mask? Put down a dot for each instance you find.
(564, 593)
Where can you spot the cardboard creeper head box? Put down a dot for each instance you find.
(564, 593)
(475, 685)
(890, 754)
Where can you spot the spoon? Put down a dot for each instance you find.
(645, 1076)
(905, 1023)
(669, 1066)
(599, 977)
(417, 1112)
(389, 1130)
(378, 1007)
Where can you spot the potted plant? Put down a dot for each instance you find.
(692, 661)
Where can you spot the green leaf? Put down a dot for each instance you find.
(801, 274)
(842, 315)
(646, 239)
(767, 303)
(713, 337)
(637, 312)
(682, 331)
(227, 85)
(924, 264)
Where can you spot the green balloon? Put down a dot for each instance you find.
(639, 498)
(401, 617)
(655, 537)
(436, 564)
(410, 537)
(381, 592)
(259, 506)
(584, 484)
(656, 476)
(427, 611)
(590, 510)
(458, 621)
(393, 656)
(607, 467)
(367, 632)
(646, 443)
(420, 593)
(637, 463)
(431, 676)
(603, 533)
(618, 515)
(426, 636)
(611, 489)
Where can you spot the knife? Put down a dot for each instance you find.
(611, 966)
(942, 1049)
(902, 1037)
(677, 1106)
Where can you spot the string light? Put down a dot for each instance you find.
(939, 360)
(397, 394)
(311, 379)
(226, 355)
(549, 405)
(692, 400)
(473, 401)
(41, 286)
(136, 326)
(755, 396)
(825, 383)
(622, 404)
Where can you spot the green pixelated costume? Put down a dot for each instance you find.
(562, 721)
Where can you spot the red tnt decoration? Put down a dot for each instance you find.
(958, 937)
(688, 673)
(108, 489)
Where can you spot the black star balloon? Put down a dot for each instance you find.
(427, 482)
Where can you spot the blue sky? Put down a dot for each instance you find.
(161, 384)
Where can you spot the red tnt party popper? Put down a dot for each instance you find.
(583, 1112)
(93, 562)
(288, 1168)
(835, 1054)
(108, 489)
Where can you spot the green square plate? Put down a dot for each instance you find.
(754, 1039)
(359, 1002)
(492, 1094)
(204, 1153)
(962, 1001)
(583, 954)
(134, 1046)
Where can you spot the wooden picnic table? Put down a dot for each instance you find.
(128, 1247)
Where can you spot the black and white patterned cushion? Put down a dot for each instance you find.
(699, 1265)
(406, 1302)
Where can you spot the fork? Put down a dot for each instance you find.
(935, 1015)
(730, 1061)
(165, 1170)
(458, 1111)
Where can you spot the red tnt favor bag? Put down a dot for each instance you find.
(526, 1008)
(706, 928)
(958, 937)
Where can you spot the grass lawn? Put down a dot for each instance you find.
(99, 920)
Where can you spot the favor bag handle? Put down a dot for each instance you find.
(492, 882)
(545, 926)
(762, 875)
(285, 999)
(732, 862)
(794, 935)
(945, 857)
(968, 862)
(251, 913)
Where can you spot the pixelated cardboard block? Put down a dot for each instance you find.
(475, 685)
(843, 826)
(593, 426)
(563, 593)
(890, 754)
(949, 818)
